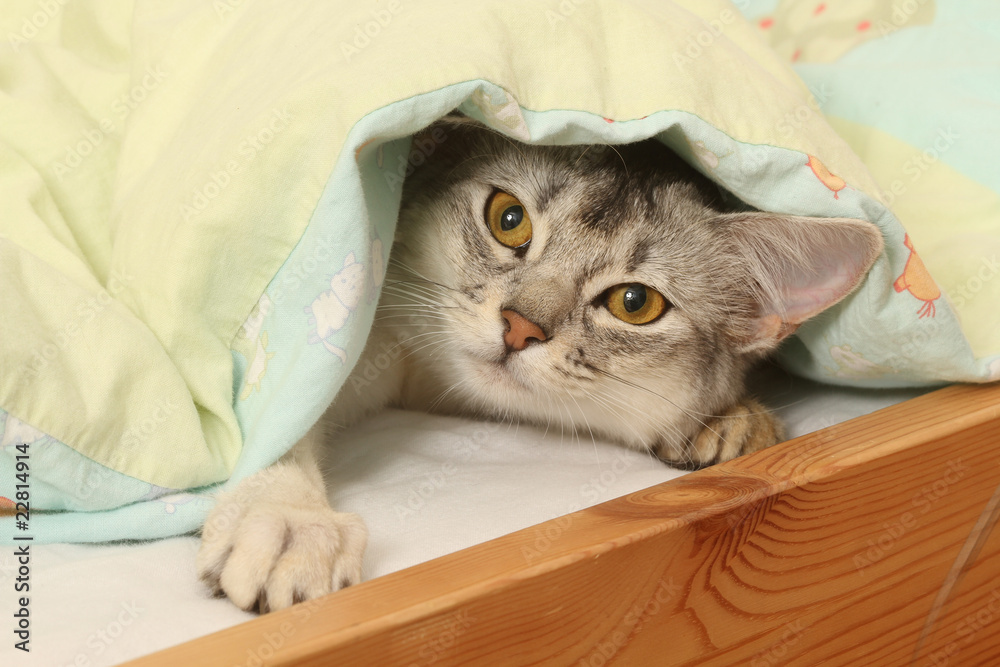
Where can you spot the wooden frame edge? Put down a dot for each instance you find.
(844, 545)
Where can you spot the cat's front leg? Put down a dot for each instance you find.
(274, 540)
(744, 428)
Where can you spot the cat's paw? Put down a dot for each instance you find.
(268, 556)
(744, 428)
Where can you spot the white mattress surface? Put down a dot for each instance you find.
(426, 486)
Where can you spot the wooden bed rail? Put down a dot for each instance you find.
(866, 543)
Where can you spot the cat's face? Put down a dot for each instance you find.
(590, 289)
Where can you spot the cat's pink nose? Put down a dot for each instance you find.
(520, 330)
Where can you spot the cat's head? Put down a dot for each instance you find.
(598, 288)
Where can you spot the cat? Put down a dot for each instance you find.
(610, 290)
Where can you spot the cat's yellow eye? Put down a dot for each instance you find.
(635, 303)
(509, 222)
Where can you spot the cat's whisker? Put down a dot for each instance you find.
(507, 415)
(585, 151)
(418, 283)
(426, 333)
(586, 421)
(441, 338)
(689, 413)
(416, 289)
(441, 348)
(551, 413)
(611, 402)
(624, 164)
(776, 409)
(408, 344)
(548, 419)
(622, 399)
(612, 405)
(424, 287)
(396, 277)
(444, 394)
(412, 298)
(396, 316)
(571, 419)
(414, 310)
(562, 424)
(415, 307)
(422, 277)
(415, 300)
(394, 261)
(510, 418)
(628, 408)
(410, 325)
(426, 345)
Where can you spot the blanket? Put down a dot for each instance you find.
(200, 199)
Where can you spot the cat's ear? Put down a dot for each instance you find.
(798, 267)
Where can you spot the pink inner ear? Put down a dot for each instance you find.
(808, 292)
(804, 265)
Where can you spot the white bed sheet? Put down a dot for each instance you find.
(426, 486)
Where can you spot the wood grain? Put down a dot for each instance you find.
(830, 549)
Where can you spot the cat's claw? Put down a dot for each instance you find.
(266, 557)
